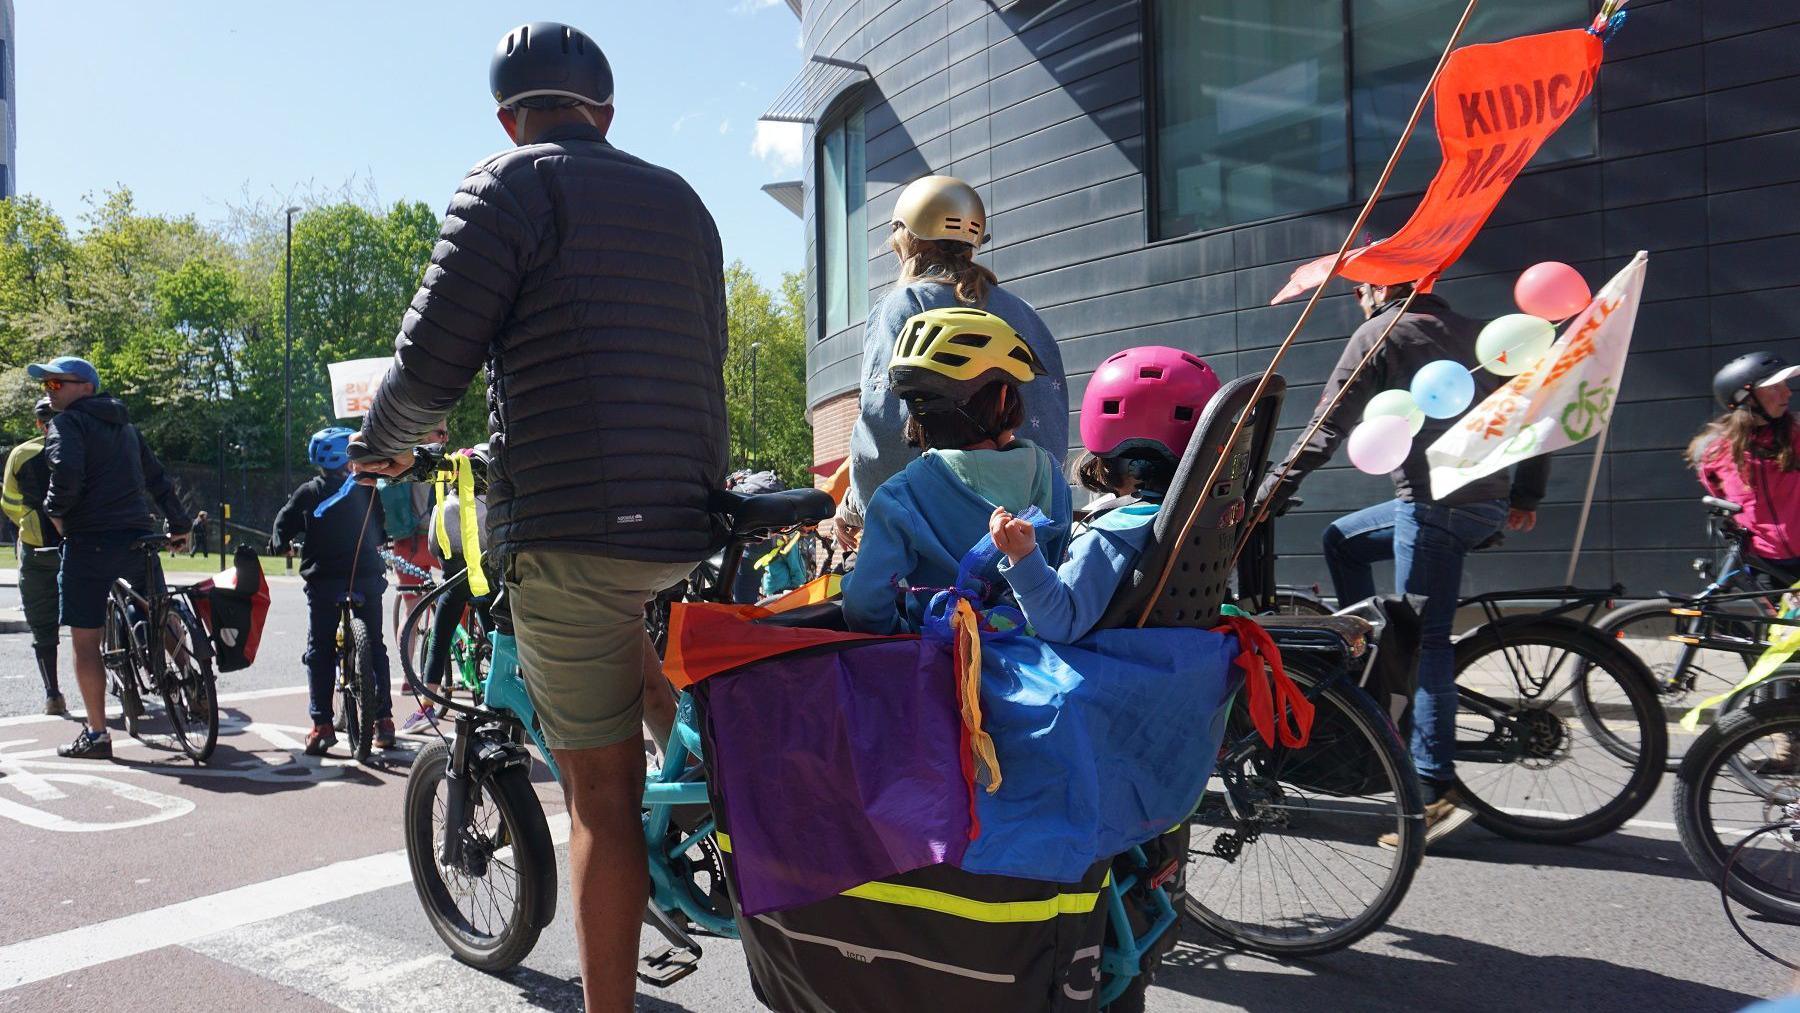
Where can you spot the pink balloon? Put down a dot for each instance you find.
(1552, 290)
(1380, 443)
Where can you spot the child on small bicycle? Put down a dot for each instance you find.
(1750, 455)
(446, 527)
(340, 551)
(959, 371)
(1139, 412)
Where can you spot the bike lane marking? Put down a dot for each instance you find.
(77, 714)
(45, 957)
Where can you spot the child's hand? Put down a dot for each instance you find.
(1015, 537)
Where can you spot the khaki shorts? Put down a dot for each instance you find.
(579, 622)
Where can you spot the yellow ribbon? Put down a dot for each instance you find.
(780, 547)
(470, 524)
(1781, 647)
(437, 517)
(966, 627)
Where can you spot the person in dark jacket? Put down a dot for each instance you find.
(27, 482)
(591, 284)
(100, 472)
(340, 551)
(1425, 537)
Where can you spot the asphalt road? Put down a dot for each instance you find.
(275, 881)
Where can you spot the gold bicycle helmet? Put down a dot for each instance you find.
(955, 351)
(942, 207)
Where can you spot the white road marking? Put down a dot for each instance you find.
(60, 953)
(77, 714)
(354, 969)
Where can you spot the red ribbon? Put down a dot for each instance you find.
(1277, 706)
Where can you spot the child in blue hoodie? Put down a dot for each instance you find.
(958, 370)
(1137, 417)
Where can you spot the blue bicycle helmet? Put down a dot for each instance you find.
(330, 448)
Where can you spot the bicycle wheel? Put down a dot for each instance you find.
(1742, 774)
(356, 689)
(1296, 603)
(123, 659)
(1685, 674)
(189, 692)
(1300, 872)
(490, 907)
(1559, 733)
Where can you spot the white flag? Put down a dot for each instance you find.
(1565, 397)
(353, 385)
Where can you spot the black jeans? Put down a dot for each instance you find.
(321, 671)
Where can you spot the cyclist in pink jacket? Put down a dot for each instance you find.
(1750, 455)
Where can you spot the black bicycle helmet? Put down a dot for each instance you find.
(548, 63)
(1732, 385)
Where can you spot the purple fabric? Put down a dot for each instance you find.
(836, 768)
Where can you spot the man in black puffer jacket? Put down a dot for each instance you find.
(100, 471)
(591, 284)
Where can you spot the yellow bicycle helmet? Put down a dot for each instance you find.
(955, 351)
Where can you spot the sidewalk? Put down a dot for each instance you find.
(12, 620)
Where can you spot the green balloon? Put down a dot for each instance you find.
(1510, 344)
(1396, 402)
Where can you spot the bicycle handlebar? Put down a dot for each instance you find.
(1721, 507)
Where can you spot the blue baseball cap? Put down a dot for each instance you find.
(65, 365)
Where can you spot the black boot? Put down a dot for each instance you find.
(53, 698)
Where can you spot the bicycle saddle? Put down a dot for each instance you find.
(752, 515)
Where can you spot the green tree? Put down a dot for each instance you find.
(765, 375)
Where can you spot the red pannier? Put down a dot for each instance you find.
(232, 606)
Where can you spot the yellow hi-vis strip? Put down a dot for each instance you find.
(470, 524)
(1782, 646)
(437, 518)
(992, 912)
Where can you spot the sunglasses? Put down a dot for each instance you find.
(55, 385)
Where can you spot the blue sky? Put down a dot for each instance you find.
(200, 104)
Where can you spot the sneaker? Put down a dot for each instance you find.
(384, 733)
(321, 738)
(54, 705)
(88, 746)
(1442, 818)
(421, 718)
(1783, 758)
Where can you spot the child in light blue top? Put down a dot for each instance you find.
(959, 371)
(1138, 414)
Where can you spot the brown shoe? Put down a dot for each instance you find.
(1442, 818)
(320, 739)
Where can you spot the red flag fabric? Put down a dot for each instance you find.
(1496, 106)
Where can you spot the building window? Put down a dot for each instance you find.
(1268, 108)
(3, 94)
(1249, 111)
(1395, 43)
(843, 224)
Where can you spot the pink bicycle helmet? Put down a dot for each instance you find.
(1147, 398)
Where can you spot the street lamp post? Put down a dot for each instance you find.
(287, 369)
(754, 345)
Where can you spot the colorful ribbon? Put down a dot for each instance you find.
(1278, 708)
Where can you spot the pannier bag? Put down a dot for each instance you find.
(232, 606)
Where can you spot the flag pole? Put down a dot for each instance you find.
(1587, 501)
(1262, 385)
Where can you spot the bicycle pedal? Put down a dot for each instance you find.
(668, 966)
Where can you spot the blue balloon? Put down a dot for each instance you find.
(1443, 389)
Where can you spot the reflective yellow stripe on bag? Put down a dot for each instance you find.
(470, 524)
(992, 912)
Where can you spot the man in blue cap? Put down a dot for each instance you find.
(100, 472)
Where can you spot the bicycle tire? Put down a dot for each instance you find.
(1521, 816)
(1718, 747)
(1347, 723)
(357, 688)
(522, 825)
(1684, 674)
(1296, 603)
(122, 661)
(190, 694)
